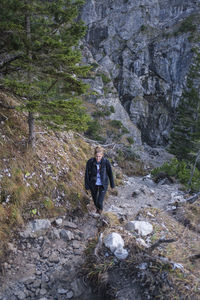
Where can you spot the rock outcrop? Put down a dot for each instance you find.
(146, 47)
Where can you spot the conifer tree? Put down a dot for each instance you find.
(185, 135)
(40, 60)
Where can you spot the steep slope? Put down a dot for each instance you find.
(45, 181)
(146, 46)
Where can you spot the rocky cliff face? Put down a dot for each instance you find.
(146, 47)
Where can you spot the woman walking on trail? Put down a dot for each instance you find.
(97, 174)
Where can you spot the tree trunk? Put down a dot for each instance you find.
(31, 120)
(193, 169)
(31, 124)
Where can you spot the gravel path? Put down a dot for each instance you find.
(141, 192)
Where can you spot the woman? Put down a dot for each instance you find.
(98, 172)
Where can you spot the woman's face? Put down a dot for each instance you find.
(98, 156)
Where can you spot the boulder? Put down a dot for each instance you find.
(36, 228)
(113, 241)
(141, 227)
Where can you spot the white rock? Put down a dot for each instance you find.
(143, 266)
(113, 241)
(69, 295)
(121, 253)
(59, 221)
(66, 235)
(143, 228)
(36, 227)
(62, 291)
(142, 243)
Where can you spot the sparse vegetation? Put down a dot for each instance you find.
(103, 111)
(94, 129)
(187, 25)
(182, 171)
(129, 161)
(130, 140)
(143, 28)
(118, 124)
(42, 183)
(105, 78)
(167, 269)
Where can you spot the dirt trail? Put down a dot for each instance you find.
(140, 192)
(54, 259)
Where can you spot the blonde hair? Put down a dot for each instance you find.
(98, 149)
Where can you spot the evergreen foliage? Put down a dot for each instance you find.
(182, 171)
(42, 37)
(185, 135)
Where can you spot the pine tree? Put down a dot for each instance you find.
(185, 135)
(40, 60)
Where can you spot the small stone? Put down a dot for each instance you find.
(70, 225)
(69, 295)
(66, 235)
(29, 280)
(45, 253)
(43, 292)
(143, 266)
(53, 258)
(76, 244)
(62, 291)
(12, 248)
(78, 251)
(59, 221)
(142, 243)
(37, 283)
(21, 295)
(45, 278)
(121, 253)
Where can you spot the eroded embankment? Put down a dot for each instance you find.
(66, 258)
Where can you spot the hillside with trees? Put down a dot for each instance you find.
(40, 61)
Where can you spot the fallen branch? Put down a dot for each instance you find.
(193, 198)
(4, 117)
(6, 59)
(160, 241)
(194, 257)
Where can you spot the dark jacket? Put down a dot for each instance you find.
(105, 173)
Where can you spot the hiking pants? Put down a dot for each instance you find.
(98, 193)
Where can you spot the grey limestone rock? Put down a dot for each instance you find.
(139, 44)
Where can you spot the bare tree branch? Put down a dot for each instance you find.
(8, 58)
(160, 241)
(193, 198)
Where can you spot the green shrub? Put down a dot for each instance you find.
(118, 124)
(103, 111)
(143, 27)
(187, 26)
(112, 109)
(105, 79)
(182, 171)
(94, 130)
(130, 140)
(126, 153)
